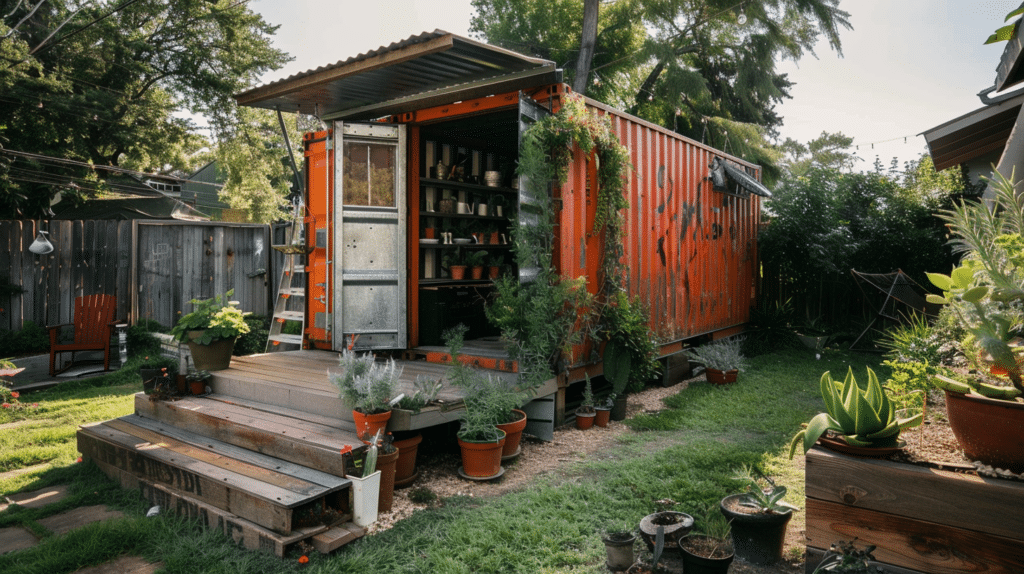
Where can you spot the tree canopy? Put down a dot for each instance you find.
(705, 68)
(103, 83)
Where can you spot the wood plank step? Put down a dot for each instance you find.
(301, 442)
(265, 504)
(245, 533)
(296, 477)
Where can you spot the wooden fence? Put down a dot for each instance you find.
(153, 267)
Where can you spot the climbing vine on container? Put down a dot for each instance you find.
(544, 317)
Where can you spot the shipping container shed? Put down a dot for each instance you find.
(428, 131)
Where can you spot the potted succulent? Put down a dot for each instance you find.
(197, 380)
(368, 388)
(711, 550)
(603, 411)
(986, 291)
(585, 413)
(210, 331)
(494, 265)
(858, 421)
(722, 359)
(618, 546)
(758, 518)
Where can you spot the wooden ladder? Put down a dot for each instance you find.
(290, 306)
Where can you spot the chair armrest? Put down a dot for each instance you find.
(52, 327)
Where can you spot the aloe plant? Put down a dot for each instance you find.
(864, 417)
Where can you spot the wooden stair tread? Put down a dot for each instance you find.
(331, 438)
(269, 493)
(243, 461)
(285, 411)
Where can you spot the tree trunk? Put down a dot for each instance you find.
(587, 41)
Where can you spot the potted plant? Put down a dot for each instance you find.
(480, 440)
(585, 413)
(197, 380)
(722, 359)
(711, 550)
(455, 261)
(813, 334)
(675, 524)
(858, 421)
(368, 388)
(617, 362)
(986, 291)
(154, 369)
(758, 518)
(210, 331)
(494, 265)
(365, 482)
(618, 547)
(425, 392)
(475, 262)
(603, 411)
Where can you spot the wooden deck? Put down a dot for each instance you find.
(300, 381)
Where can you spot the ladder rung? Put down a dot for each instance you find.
(290, 315)
(293, 339)
(297, 291)
(299, 269)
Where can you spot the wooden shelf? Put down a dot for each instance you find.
(447, 282)
(461, 216)
(427, 182)
(470, 245)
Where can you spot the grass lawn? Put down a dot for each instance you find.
(688, 452)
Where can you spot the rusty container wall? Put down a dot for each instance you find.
(690, 253)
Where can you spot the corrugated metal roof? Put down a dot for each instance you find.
(974, 134)
(432, 68)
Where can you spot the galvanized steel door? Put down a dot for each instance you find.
(532, 194)
(369, 236)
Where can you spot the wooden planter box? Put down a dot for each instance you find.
(920, 518)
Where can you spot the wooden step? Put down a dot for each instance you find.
(270, 430)
(259, 488)
(245, 533)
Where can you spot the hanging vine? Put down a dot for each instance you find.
(545, 317)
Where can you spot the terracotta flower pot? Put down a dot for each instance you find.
(386, 465)
(458, 272)
(493, 272)
(513, 434)
(602, 416)
(428, 232)
(368, 425)
(989, 430)
(477, 272)
(482, 459)
(585, 420)
(717, 377)
(405, 468)
(197, 387)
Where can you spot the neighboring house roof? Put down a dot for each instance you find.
(433, 68)
(202, 188)
(974, 134)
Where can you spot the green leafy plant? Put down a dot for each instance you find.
(723, 354)
(255, 341)
(365, 385)
(626, 326)
(844, 558)
(762, 494)
(862, 417)
(425, 391)
(587, 405)
(217, 320)
(476, 258)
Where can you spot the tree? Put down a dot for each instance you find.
(100, 83)
(828, 151)
(587, 41)
(704, 68)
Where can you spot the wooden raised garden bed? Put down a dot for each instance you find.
(941, 521)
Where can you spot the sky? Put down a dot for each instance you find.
(907, 65)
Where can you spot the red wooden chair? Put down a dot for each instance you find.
(93, 327)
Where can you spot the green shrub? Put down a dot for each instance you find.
(255, 341)
(770, 329)
(141, 341)
(909, 376)
(29, 340)
(914, 340)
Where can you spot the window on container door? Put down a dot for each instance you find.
(369, 174)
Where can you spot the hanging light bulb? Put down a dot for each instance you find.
(42, 245)
(741, 18)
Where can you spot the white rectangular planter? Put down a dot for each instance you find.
(365, 492)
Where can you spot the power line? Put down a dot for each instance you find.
(109, 168)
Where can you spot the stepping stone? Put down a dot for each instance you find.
(67, 521)
(15, 538)
(39, 498)
(123, 565)
(21, 471)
